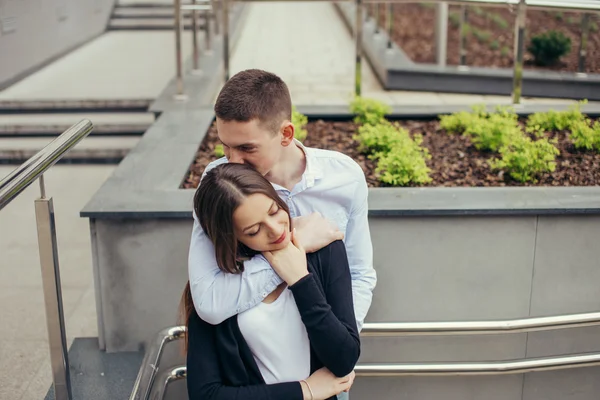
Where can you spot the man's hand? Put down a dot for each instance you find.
(314, 232)
(290, 262)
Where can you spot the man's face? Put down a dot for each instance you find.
(250, 143)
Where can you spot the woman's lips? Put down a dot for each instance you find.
(281, 238)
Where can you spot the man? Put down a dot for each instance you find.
(253, 116)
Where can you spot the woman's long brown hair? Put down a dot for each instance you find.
(220, 193)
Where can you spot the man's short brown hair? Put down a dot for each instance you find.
(255, 94)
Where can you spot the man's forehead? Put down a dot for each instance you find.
(235, 134)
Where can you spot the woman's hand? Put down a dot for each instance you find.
(324, 384)
(289, 262)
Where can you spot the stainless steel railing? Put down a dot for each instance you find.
(145, 389)
(194, 7)
(10, 187)
(587, 6)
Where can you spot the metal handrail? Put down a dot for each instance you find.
(10, 187)
(24, 175)
(522, 325)
(146, 377)
(436, 369)
(147, 374)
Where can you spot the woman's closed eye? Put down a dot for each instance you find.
(253, 233)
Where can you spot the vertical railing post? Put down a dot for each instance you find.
(585, 29)
(178, 53)
(358, 32)
(225, 14)
(55, 316)
(463, 35)
(216, 9)
(377, 12)
(207, 31)
(388, 22)
(441, 33)
(519, 51)
(195, 51)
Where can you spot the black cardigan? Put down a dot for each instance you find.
(220, 365)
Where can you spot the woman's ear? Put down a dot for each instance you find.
(287, 133)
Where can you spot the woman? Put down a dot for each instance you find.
(297, 344)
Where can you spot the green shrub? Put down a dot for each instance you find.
(377, 139)
(541, 122)
(498, 20)
(525, 159)
(477, 10)
(488, 131)
(219, 151)
(547, 48)
(495, 45)
(405, 163)
(584, 135)
(454, 18)
(481, 35)
(299, 120)
(505, 51)
(369, 111)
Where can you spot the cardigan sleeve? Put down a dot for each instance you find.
(204, 380)
(328, 313)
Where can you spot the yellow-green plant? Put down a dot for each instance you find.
(299, 120)
(525, 159)
(584, 135)
(379, 138)
(405, 163)
(552, 120)
(219, 151)
(368, 111)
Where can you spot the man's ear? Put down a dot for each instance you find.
(287, 133)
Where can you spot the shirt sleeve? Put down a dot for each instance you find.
(360, 251)
(329, 315)
(218, 295)
(204, 381)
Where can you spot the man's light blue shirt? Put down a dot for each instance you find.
(334, 185)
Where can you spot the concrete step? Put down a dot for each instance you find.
(36, 125)
(136, 24)
(73, 106)
(91, 150)
(147, 13)
(145, 3)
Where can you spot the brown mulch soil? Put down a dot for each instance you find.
(414, 24)
(455, 161)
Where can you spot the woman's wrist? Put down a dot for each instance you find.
(306, 391)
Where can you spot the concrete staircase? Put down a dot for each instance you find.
(148, 16)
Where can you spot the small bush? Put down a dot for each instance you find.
(482, 36)
(488, 131)
(477, 10)
(525, 159)
(541, 122)
(405, 163)
(498, 20)
(376, 139)
(454, 18)
(505, 51)
(495, 45)
(586, 136)
(299, 120)
(547, 48)
(369, 111)
(219, 151)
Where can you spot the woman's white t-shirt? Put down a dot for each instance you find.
(278, 339)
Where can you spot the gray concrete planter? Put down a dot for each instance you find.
(396, 71)
(442, 254)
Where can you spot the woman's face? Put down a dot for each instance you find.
(261, 224)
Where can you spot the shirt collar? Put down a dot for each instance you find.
(312, 171)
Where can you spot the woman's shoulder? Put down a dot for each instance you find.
(326, 257)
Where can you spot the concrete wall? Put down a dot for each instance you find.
(33, 32)
(432, 268)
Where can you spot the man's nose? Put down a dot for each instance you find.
(235, 157)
